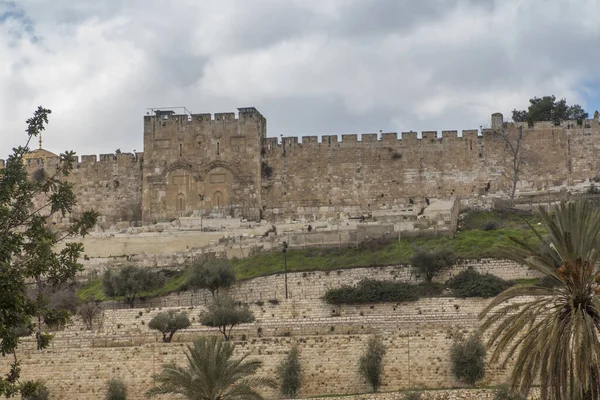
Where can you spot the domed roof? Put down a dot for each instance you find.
(39, 153)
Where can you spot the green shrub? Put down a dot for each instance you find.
(116, 390)
(290, 374)
(370, 364)
(35, 390)
(505, 394)
(470, 283)
(468, 359)
(372, 291)
(412, 396)
(428, 264)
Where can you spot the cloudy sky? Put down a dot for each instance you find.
(310, 66)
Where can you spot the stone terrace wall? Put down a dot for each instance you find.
(74, 370)
(418, 336)
(313, 285)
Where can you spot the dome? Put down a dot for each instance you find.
(39, 153)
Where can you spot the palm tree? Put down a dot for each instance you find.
(553, 332)
(212, 374)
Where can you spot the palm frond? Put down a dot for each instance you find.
(553, 332)
(211, 373)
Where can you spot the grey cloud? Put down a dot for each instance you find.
(311, 67)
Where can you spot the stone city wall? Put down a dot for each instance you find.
(198, 163)
(110, 185)
(317, 178)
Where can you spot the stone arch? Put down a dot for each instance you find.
(181, 194)
(181, 165)
(219, 164)
(217, 187)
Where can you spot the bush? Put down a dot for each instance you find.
(372, 291)
(412, 396)
(116, 390)
(428, 263)
(468, 359)
(505, 394)
(470, 283)
(290, 374)
(129, 282)
(211, 274)
(168, 323)
(35, 390)
(225, 314)
(370, 364)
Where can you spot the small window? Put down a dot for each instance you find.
(180, 150)
(218, 148)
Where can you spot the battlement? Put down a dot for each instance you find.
(371, 138)
(87, 160)
(169, 116)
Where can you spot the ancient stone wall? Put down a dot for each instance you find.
(110, 184)
(322, 178)
(193, 155)
(239, 171)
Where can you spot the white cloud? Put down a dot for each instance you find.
(372, 64)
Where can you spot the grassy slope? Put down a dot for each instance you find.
(470, 242)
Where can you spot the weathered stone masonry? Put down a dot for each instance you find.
(203, 163)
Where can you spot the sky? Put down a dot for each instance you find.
(311, 67)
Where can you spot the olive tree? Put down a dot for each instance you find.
(168, 323)
(129, 282)
(211, 274)
(225, 314)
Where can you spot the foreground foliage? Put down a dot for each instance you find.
(27, 248)
(370, 364)
(554, 336)
(212, 374)
(35, 390)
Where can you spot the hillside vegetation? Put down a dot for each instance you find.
(481, 234)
